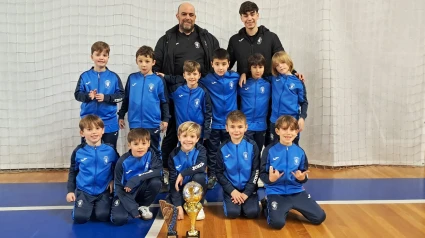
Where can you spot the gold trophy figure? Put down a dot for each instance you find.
(192, 194)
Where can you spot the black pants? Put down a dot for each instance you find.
(128, 203)
(278, 207)
(274, 137)
(170, 140)
(109, 138)
(258, 137)
(250, 208)
(217, 137)
(85, 205)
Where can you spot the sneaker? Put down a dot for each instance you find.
(212, 180)
(165, 182)
(166, 177)
(260, 183)
(145, 213)
(201, 215)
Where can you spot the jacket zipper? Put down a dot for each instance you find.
(95, 169)
(143, 92)
(98, 89)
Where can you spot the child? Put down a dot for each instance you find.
(90, 179)
(137, 179)
(284, 168)
(238, 165)
(255, 96)
(222, 86)
(289, 95)
(146, 99)
(187, 163)
(99, 90)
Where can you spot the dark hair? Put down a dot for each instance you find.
(283, 122)
(138, 134)
(146, 51)
(100, 46)
(191, 66)
(247, 7)
(236, 116)
(254, 60)
(91, 121)
(221, 54)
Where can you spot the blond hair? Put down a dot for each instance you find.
(189, 127)
(280, 58)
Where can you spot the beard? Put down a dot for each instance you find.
(185, 28)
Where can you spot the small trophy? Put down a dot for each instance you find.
(169, 212)
(192, 194)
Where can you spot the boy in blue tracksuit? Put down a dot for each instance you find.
(254, 100)
(146, 99)
(237, 171)
(137, 179)
(289, 95)
(284, 168)
(99, 90)
(222, 87)
(187, 162)
(90, 179)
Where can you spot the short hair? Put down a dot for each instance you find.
(283, 122)
(189, 127)
(221, 54)
(191, 66)
(146, 51)
(91, 121)
(100, 46)
(236, 116)
(138, 134)
(254, 60)
(280, 58)
(248, 7)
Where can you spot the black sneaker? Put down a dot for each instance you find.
(212, 181)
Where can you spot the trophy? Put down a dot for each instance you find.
(169, 212)
(192, 194)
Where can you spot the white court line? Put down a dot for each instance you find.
(341, 202)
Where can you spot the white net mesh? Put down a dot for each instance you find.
(363, 61)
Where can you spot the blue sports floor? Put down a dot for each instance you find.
(40, 209)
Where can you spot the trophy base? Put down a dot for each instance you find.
(193, 236)
(170, 235)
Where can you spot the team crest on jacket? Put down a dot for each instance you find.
(296, 160)
(197, 45)
(245, 155)
(262, 89)
(259, 40)
(231, 84)
(291, 86)
(107, 83)
(197, 102)
(151, 86)
(105, 159)
(80, 203)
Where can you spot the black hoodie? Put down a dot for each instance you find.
(241, 47)
(164, 50)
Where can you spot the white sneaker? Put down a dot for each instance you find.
(260, 183)
(201, 215)
(145, 213)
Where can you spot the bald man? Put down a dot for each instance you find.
(185, 41)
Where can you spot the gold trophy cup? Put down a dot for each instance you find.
(192, 194)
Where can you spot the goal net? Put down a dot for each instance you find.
(363, 62)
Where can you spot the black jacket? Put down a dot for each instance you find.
(240, 48)
(164, 50)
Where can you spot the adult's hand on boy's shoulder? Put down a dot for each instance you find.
(274, 174)
(70, 197)
(300, 76)
(160, 74)
(300, 175)
(242, 80)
